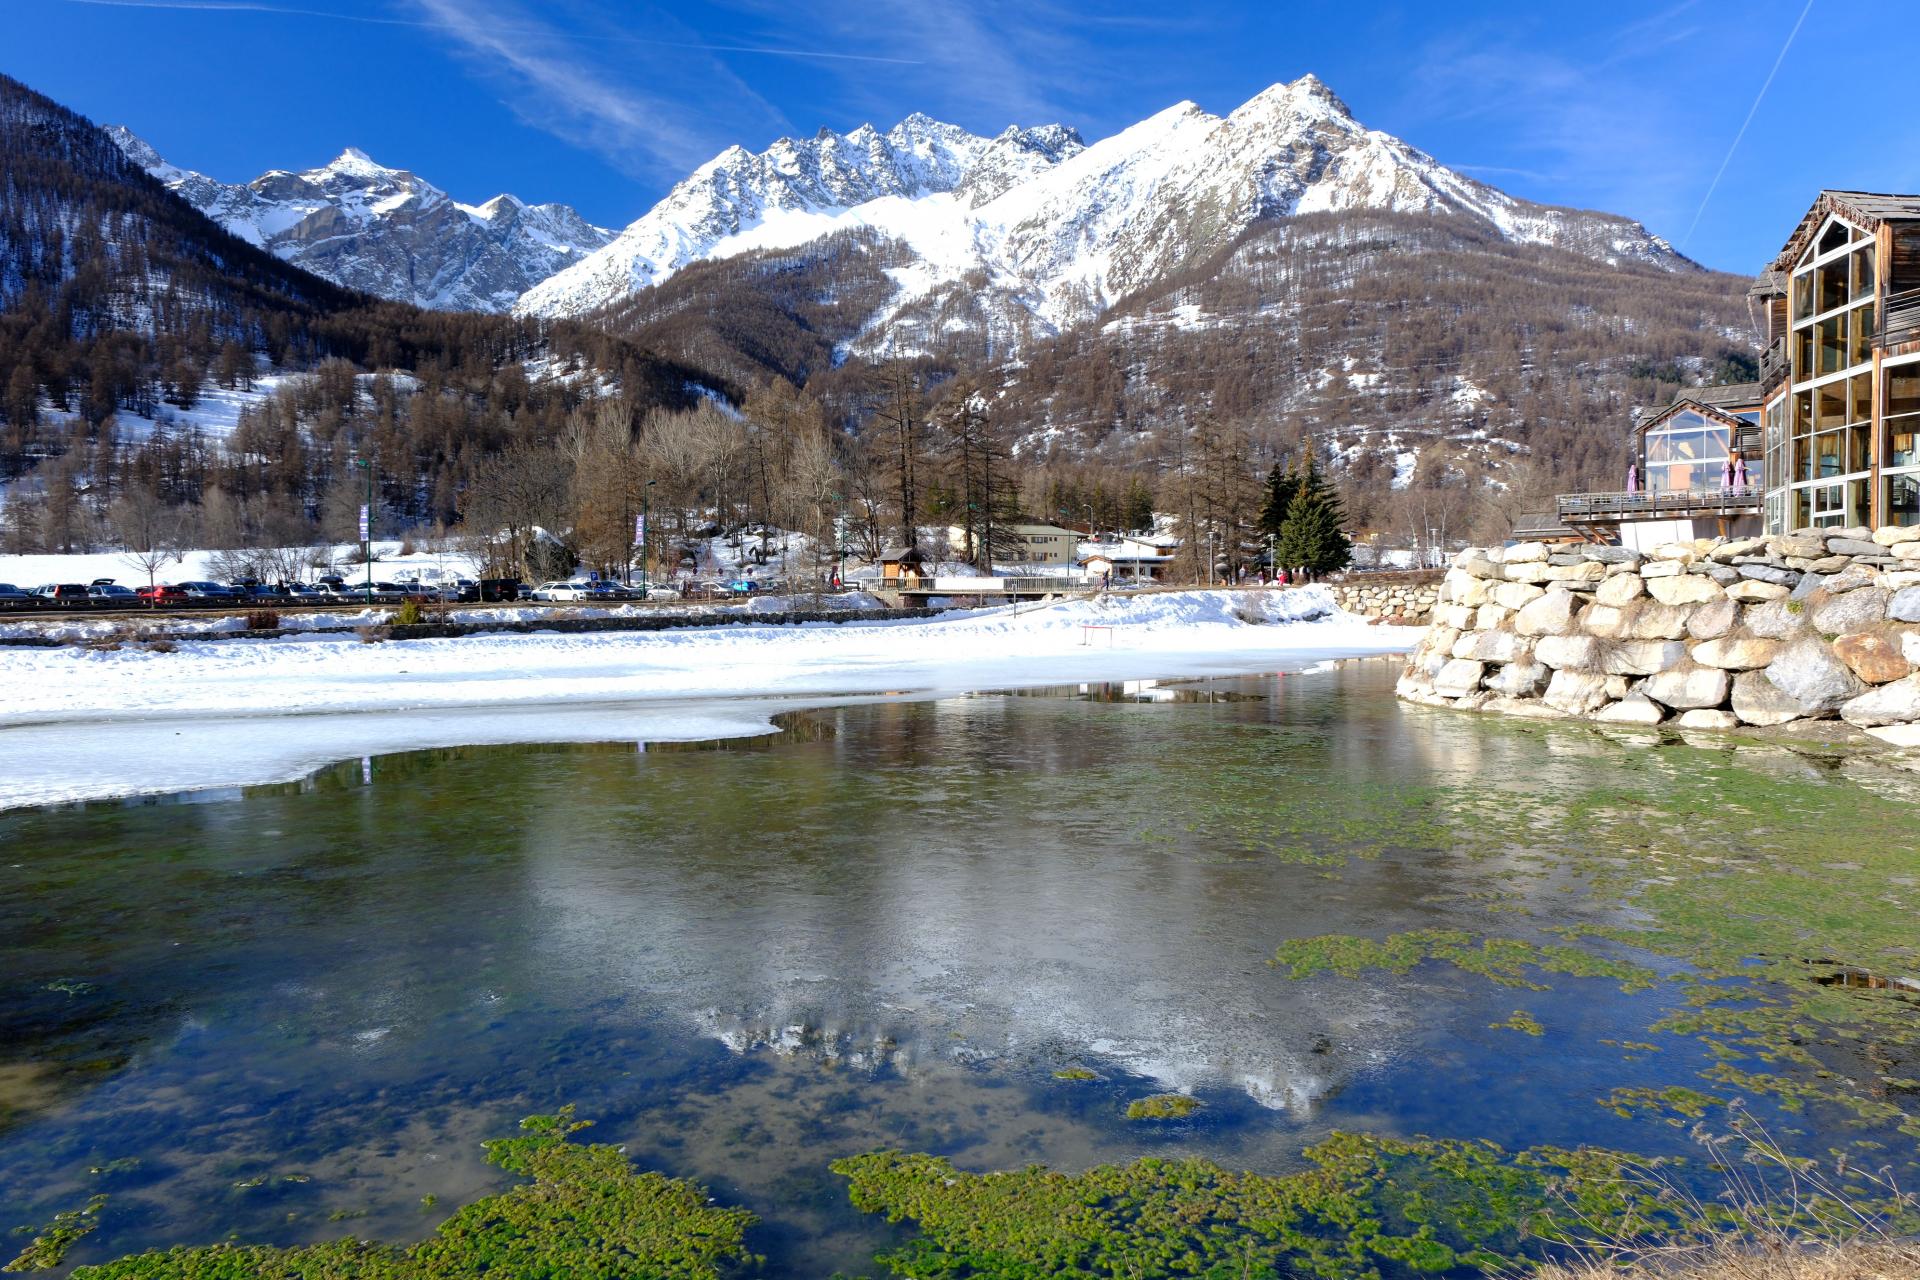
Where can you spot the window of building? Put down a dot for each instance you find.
(1903, 500)
(1830, 345)
(1833, 285)
(1862, 272)
(1862, 349)
(1834, 237)
(1803, 296)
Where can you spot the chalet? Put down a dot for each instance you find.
(1840, 377)
(1692, 472)
(902, 566)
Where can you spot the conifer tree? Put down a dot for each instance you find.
(1310, 536)
(1276, 499)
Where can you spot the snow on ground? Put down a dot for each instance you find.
(83, 724)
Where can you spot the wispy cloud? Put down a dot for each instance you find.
(290, 11)
(631, 110)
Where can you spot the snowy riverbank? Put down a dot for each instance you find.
(78, 724)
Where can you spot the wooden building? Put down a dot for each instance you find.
(1840, 378)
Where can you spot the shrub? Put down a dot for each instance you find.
(409, 614)
(371, 634)
(263, 620)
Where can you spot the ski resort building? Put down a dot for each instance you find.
(1841, 373)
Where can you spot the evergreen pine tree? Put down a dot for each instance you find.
(1311, 537)
(1277, 499)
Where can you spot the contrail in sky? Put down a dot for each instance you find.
(1728, 158)
(248, 6)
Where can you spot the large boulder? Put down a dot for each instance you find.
(1579, 653)
(1683, 552)
(1522, 679)
(1688, 589)
(1853, 611)
(1489, 646)
(1705, 718)
(1612, 555)
(1713, 619)
(1874, 656)
(1756, 592)
(1581, 571)
(1490, 616)
(1651, 620)
(1551, 615)
(1896, 703)
(1894, 535)
(1758, 700)
(1727, 552)
(1662, 569)
(1644, 657)
(1632, 709)
(1807, 670)
(1808, 546)
(1576, 692)
(1514, 595)
(1604, 620)
(1457, 616)
(1905, 604)
(1526, 571)
(1776, 619)
(1621, 588)
(1853, 547)
(1688, 685)
(1736, 653)
(1458, 678)
(1775, 574)
(1525, 553)
(1477, 563)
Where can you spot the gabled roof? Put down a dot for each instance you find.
(1734, 395)
(1721, 413)
(1865, 209)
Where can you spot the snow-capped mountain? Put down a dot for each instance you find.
(387, 231)
(1034, 222)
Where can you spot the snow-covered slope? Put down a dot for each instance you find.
(386, 231)
(1039, 222)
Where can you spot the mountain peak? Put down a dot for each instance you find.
(1308, 98)
(133, 146)
(352, 161)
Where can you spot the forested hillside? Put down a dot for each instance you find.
(125, 315)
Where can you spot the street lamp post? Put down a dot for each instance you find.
(1211, 534)
(646, 511)
(366, 521)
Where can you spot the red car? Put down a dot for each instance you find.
(162, 594)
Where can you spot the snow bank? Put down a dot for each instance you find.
(78, 723)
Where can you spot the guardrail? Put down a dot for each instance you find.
(1589, 506)
(1899, 319)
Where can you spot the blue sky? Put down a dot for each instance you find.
(1631, 106)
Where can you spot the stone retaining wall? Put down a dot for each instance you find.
(1410, 597)
(1711, 634)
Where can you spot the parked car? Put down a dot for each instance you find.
(500, 590)
(111, 593)
(742, 587)
(561, 591)
(160, 593)
(61, 593)
(9, 592)
(209, 591)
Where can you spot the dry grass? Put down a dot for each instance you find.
(1780, 1217)
(1734, 1260)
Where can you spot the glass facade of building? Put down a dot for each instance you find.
(1825, 462)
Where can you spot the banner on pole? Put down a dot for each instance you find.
(366, 523)
(639, 531)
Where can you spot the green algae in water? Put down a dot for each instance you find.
(1420, 1205)
(1519, 1020)
(49, 1248)
(1163, 1106)
(584, 1212)
(1075, 1074)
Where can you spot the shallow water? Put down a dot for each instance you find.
(301, 1008)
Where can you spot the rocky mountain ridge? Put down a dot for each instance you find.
(387, 232)
(1043, 232)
